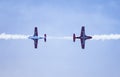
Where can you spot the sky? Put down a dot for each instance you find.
(59, 58)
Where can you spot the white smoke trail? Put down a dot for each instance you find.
(13, 36)
(106, 37)
(94, 37)
(60, 37)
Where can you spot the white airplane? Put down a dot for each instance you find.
(35, 37)
(82, 37)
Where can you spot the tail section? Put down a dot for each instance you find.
(45, 37)
(74, 37)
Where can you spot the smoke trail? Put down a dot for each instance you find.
(106, 37)
(13, 36)
(60, 38)
(94, 37)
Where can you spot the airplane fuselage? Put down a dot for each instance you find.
(84, 37)
(35, 37)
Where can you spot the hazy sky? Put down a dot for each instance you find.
(59, 58)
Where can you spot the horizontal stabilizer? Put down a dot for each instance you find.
(45, 37)
(74, 37)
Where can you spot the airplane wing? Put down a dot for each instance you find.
(35, 32)
(82, 43)
(82, 31)
(35, 43)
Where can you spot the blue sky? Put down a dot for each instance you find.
(59, 58)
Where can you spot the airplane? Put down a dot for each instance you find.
(82, 37)
(35, 37)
